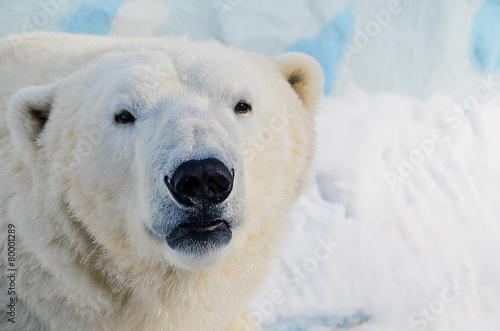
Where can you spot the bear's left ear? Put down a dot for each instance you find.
(305, 76)
(27, 112)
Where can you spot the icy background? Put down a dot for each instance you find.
(402, 229)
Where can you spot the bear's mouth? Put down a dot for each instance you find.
(199, 238)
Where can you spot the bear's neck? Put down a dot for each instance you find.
(140, 295)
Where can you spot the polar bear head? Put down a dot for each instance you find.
(171, 157)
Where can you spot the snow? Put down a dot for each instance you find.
(401, 230)
(422, 50)
(396, 247)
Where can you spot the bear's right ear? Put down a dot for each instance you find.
(305, 76)
(27, 113)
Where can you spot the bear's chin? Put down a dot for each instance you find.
(199, 246)
(198, 262)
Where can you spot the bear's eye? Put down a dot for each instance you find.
(124, 117)
(242, 107)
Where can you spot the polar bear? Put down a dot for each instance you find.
(146, 184)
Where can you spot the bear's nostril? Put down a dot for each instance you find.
(215, 184)
(201, 182)
(190, 186)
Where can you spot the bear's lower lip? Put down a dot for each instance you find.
(198, 238)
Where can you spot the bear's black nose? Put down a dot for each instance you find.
(197, 182)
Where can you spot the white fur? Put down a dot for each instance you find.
(83, 191)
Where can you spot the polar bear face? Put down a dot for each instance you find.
(169, 157)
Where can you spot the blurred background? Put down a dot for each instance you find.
(401, 229)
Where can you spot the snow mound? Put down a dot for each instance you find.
(412, 253)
